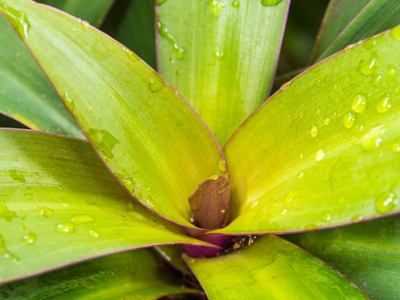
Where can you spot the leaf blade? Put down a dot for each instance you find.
(153, 142)
(366, 253)
(273, 269)
(52, 207)
(225, 66)
(116, 276)
(22, 80)
(327, 147)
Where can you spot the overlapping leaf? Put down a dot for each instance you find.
(119, 276)
(324, 151)
(271, 269)
(377, 16)
(22, 81)
(59, 205)
(148, 136)
(220, 55)
(366, 253)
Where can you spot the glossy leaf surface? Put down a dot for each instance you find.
(120, 276)
(132, 24)
(152, 141)
(367, 253)
(220, 55)
(93, 11)
(271, 269)
(338, 15)
(324, 150)
(377, 16)
(25, 93)
(59, 205)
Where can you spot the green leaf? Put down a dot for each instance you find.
(324, 150)
(151, 140)
(225, 63)
(132, 24)
(118, 276)
(377, 16)
(366, 253)
(92, 11)
(60, 205)
(271, 269)
(338, 15)
(22, 81)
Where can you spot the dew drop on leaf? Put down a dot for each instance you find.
(80, 219)
(385, 203)
(326, 217)
(383, 105)
(216, 7)
(392, 71)
(367, 67)
(17, 18)
(396, 147)
(320, 155)
(156, 83)
(85, 23)
(270, 2)
(65, 228)
(5, 253)
(359, 103)
(45, 211)
(314, 131)
(94, 233)
(29, 238)
(348, 120)
(235, 4)
(69, 102)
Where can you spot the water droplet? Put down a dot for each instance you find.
(28, 196)
(372, 138)
(45, 211)
(104, 141)
(284, 211)
(396, 147)
(222, 166)
(69, 102)
(326, 217)
(357, 218)
(17, 18)
(14, 175)
(383, 105)
(29, 238)
(254, 204)
(216, 7)
(65, 228)
(348, 120)
(320, 155)
(301, 155)
(327, 121)
(235, 4)
(270, 2)
(385, 203)
(301, 174)
(392, 71)
(376, 80)
(156, 83)
(370, 44)
(219, 55)
(359, 103)
(314, 131)
(290, 197)
(5, 253)
(82, 219)
(178, 51)
(94, 233)
(395, 32)
(85, 23)
(367, 67)
(130, 54)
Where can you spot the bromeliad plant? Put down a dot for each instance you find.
(322, 152)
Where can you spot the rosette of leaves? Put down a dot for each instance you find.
(116, 160)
